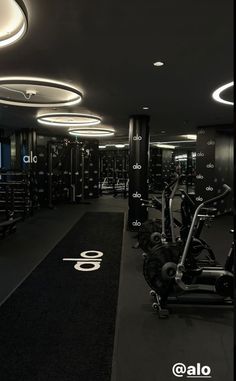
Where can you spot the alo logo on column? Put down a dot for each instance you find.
(211, 142)
(210, 166)
(201, 132)
(209, 189)
(200, 154)
(137, 166)
(136, 223)
(199, 198)
(199, 177)
(137, 138)
(136, 195)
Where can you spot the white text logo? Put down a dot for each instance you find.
(136, 223)
(199, 198)
(137, 137)
(201, 132)
(30, 159)
(191, 371)
(211, 143)
(200, 176)
(200, 154)
(137, 166)
(210, 165)
(136, 195)
(88, 261)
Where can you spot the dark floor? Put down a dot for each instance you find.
(146, 348)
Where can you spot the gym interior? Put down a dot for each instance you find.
(116, 190)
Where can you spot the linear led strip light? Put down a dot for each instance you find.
(29, 91)
(217, 94)
(68, 120)
(13, 21)
(92, 132)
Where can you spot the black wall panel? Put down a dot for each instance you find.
(214, 165)
(138, 170)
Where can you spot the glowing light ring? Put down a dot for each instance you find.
(39, 82)
(23, 28)
(217, 94)
(91, 132)
(44, 119)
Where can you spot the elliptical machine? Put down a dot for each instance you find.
(174, 274)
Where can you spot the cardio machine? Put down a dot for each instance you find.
(174, 274)
(162, 230)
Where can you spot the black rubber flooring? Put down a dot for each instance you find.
(146, 348)
(60, 322)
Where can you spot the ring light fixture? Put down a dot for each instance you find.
(217, 94)
(13, 21)
(68, 119)
(190, 136)
(37, 92)
(160, 145)
(92, 132)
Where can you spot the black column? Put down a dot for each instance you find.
(138, 169)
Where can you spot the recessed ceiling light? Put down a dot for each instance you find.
(190, 136)
(68, 119)
(160, 145)
(145, 108)
(217, 94)
(13, 22)
(37, 92)
(92, 132)
(163, 132)
(181, 141)
(158, 63)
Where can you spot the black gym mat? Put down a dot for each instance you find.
(60, 322)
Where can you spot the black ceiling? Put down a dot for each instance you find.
(107, 49)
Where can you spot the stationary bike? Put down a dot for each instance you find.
(174, 274)
(165, 229)
(149, 233)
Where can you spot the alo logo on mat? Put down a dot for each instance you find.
(200, 154)
(89, 260)
(200, 177)
(137, 138)
(30, 158)
(136, 223)
(199, 198)
(211, 142)
(137, 166)
(210, 165)
(136, 195)
(209, 189)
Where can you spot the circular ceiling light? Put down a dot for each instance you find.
(37, 92)
(92, 132)
(217, 94)
(13, 21)
(158, 63)
(190, 136)
(68, 120)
